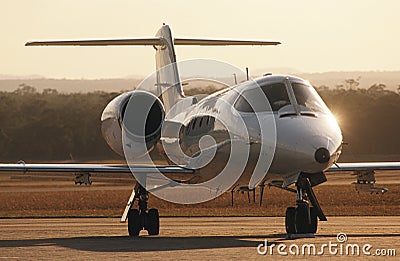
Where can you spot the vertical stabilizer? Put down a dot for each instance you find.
(168, 81)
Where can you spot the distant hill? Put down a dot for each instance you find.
(69, 86)
(17, 77)
(331, 79)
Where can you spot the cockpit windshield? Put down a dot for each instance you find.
(308, 97)
(253, 100)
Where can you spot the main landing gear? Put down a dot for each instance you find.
(303, 219)
(141, 218)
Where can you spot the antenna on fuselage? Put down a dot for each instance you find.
(247, 73)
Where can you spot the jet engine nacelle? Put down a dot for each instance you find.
(138, 115)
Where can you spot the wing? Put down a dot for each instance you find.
(365, 174)
(364, 166)
(93, 168)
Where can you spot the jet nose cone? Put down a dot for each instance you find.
(322, 155)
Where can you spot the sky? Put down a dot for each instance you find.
(316, 36)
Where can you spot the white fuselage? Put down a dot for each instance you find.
(288, 131)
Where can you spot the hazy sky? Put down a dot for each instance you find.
(316, 35)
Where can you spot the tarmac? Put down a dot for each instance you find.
(197, 238)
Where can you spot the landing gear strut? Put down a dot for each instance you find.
(303, 219)
(141, 218)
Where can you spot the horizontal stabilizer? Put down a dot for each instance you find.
(150, 41)
(222, 42)
(134, 41)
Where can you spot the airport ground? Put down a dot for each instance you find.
(196, 238)
(48, 217)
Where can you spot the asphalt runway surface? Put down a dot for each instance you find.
(194, 238)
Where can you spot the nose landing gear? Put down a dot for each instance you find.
(303, 219)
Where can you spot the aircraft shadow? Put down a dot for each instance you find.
(160, 243)
(143, 243)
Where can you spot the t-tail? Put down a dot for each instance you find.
(168, 80)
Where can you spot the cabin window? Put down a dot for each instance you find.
(194, 124)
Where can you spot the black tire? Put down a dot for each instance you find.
(290, 220)
(313, 226)
(302, 218)
(134, 223)
(153, 222)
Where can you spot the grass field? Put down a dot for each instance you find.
(23, 195)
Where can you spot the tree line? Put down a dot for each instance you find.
(48, 125)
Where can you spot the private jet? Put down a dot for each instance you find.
(277, 123)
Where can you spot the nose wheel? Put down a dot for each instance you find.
(141, 218)
(303, 219)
